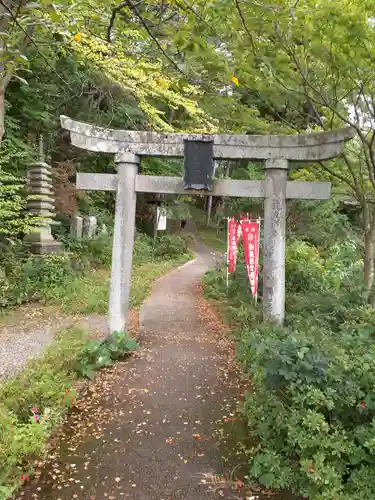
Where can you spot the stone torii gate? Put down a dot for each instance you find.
(275, 151)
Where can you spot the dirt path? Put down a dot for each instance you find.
(157, 426)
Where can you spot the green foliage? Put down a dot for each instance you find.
(14, 222)
(319, 223)
(98, 354)
(77, 281)
(311, 410)
(18, 441)
(43, 385)
(45, 388)
(53, 278)
(90, 253)
(44, 382)
(171, 246)
(29, 278)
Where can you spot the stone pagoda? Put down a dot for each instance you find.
(41, 203)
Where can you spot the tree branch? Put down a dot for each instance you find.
(337, 175)
(115, 11)
(155, 40)
(243, 22)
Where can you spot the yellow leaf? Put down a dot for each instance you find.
(235, 81)
(78, 37)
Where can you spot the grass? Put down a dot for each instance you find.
(212, 239)
(88, 294)
(45, 384)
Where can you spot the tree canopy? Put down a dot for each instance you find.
(280, 66)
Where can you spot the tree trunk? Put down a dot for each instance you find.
(369, 261)
(4, 26)
(209, 209)
(2, 115)
(7, 20)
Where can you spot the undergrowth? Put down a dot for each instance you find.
(34, 402)
(311, 409)
(78, 279)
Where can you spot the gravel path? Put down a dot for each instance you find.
(26, 334)
(159, 425)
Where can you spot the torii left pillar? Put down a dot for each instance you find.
(123, 240)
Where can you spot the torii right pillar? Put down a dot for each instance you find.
(275, 182)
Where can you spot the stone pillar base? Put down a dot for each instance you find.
(44, 248)
(41, 241)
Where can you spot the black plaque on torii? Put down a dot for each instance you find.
(198, 164)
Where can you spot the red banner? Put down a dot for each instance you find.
(250, 233)
(234, 229)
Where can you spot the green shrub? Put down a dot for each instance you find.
(142, 248)
(311, 410)
(51, 278)
(98, 354)
(19, 441)
(90, 253)
(28, 279)
(171, 246)
(41, 389)
(25, 277)
(304, 267)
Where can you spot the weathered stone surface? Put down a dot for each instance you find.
(76, 227)
(276, 151)
(96, 182)
(123, 243)
(41, 240)
(303, 147)
(41, 177)
(222, 187)
(39, 183)
(274, 241)
(41, 203)
(40, 171)
(89, 227)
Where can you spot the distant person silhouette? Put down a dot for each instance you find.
(183, 224)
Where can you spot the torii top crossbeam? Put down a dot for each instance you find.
(301, 147)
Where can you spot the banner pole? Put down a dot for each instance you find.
(227, 253)
(258, 222)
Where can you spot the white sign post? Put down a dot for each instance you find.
(162, 221)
